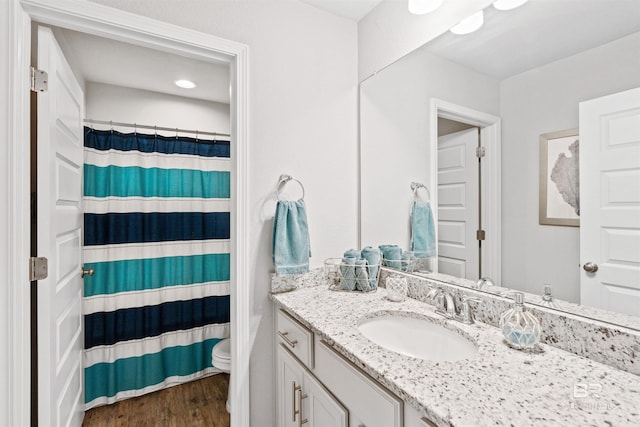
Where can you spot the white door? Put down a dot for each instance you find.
(59, 238)
(458, 198)
(610, 202)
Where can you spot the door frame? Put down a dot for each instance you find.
(99, 20)
(491, 209)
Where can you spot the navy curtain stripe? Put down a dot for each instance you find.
(107, 328)
(114, 140)
(135, 227)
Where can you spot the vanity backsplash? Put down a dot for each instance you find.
(602, 342)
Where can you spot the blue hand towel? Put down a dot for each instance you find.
(423, 236)
(348, 273)
(362, 278)
(291, 247)
(393, 255)
(372, 255)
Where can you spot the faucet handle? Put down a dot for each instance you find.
(434, 292)
(466, 314)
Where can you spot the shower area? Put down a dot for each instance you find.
(156, 206)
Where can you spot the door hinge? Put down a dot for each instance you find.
(39, 80)
(38, 268)
(479, 152)
(480, 235)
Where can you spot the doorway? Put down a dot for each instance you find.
(459, 201)
(486, 128)
(109, 23)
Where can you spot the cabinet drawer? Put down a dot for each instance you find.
(295, 337)
(369, 403)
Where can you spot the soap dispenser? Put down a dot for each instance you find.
(520, 328)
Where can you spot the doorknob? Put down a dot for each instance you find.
(85, 272)
(590, 267)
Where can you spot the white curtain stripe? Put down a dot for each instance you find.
(168, 382)
(107, 253)
(150, 297)
(102, 205)
(155, 160)
(152, 345)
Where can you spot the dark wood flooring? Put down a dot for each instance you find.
(198, 403)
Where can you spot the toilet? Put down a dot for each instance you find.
(221, 359)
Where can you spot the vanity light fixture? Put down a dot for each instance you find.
(420, 7)
(508, 4)
(469, 24)
(185, 84)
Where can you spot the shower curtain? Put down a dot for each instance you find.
(156, 232)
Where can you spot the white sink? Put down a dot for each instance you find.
(417, 338)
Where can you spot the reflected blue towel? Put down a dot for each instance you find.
(372, 255)
(362, 278)
(348, 273)
(392, 253)
(291, 247)
(423, 241)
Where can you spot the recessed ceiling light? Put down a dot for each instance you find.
(508, 4)
(185, 84)
(469, 24)
(420, 7)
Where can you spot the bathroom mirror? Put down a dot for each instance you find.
(522, 75)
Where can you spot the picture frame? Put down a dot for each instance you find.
(559, 202)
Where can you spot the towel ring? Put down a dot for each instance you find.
(415, 186)
(282, 182)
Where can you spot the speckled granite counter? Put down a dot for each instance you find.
(500, 386)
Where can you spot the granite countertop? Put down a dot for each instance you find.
(500, 386)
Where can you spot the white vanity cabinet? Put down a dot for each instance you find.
(308, 366)
(302, 400)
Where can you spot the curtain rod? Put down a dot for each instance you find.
(155, 128)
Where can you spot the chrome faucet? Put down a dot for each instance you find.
(446, 305)
(443, 301)
(482, 282)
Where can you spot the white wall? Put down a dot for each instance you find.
(532, 103)
(389, 31)
(303, 121)
(122, 104)
(395, 133)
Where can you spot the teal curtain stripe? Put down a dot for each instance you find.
(135, 181)
(134, 373)
(153, 273)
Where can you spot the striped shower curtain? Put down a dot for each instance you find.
(157, 235)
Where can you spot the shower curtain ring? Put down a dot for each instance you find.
(111, 124)
(176, 133)
(135, 128)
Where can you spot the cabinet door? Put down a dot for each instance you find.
(290, 378)
(320, 408)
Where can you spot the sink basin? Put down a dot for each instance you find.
(418, 338)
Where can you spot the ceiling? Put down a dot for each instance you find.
(101, 60)
(352, 9)
(538, 33)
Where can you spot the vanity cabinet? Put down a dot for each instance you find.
(302, 400)
(316, 378)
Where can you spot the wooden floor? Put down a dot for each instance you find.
(198, 403)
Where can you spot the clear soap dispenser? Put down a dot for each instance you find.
(520, 328)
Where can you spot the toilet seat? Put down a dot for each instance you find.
(221, 359)
(221, 355)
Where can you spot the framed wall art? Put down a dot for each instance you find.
(560, 178)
